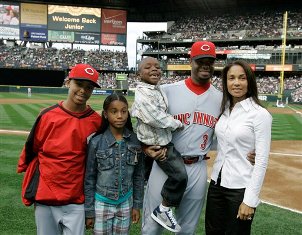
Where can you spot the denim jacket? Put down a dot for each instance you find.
(105, 161)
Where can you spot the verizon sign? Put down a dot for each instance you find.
(114, 21)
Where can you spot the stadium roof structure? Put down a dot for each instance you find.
(169, 10)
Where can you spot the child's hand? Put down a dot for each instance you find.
(89, 223)
(135, 216)
(155, 152)
(181, 127)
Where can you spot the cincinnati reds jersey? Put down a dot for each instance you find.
(198, 113)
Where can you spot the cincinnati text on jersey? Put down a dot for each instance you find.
(198, 118)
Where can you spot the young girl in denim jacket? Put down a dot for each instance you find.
(114, 179)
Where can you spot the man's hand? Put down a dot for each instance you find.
(251, 157)
(155, 152)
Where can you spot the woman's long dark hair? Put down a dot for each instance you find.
(105, 123)
(251, 81)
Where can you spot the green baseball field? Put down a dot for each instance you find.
(281, 212)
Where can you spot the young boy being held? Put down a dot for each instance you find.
(155, 127)
(54, 157)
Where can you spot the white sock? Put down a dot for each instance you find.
(163, 208)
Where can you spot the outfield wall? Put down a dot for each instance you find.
(97, 91)
(32, 77)
(56, 90)
(24, 89)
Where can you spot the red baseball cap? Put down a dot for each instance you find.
(9, 8)
(202, 49)
(85, 72)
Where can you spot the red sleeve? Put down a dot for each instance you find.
(28, 153)
(29, 150)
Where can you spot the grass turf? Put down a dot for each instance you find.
(287, 127)
(22, 115)
(15, 218)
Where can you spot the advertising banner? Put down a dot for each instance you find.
(121, 76)
(253, 67)
(113, 39)
(269, 98)
(60, 36)
(178, 67)
(87, 38)
(218, 67)
(35, 14)
(9, 32)
(114, 21)
(222, 52)
(278, 67)
(9, 21)
(33, 22)
(249, 56)
(67, 18)
(259, 67)
(33, 34)
(298, 67)
(102, 92)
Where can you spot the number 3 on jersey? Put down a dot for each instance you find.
(204, 143)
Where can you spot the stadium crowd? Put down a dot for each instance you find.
(185, 28)
(253, 25)
(52, 58)
(106, 60)
(260, 54)
(265, 84)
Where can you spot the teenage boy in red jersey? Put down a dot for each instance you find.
(54, 157)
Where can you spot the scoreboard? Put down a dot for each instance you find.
(56, 23)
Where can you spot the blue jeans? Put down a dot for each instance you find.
(176, 183)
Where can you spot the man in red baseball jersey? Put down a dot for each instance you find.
(54, 156)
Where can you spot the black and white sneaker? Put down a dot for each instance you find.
(166, 219)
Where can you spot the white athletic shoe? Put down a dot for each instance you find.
(166, 219)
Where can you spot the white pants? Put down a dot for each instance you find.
(190, 208)
(55, 220)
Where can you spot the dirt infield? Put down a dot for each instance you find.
(282, 184)
(282, 110)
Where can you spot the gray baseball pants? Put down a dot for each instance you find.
(189, 211)
(66, 220)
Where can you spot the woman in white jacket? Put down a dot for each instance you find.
(244, 125)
